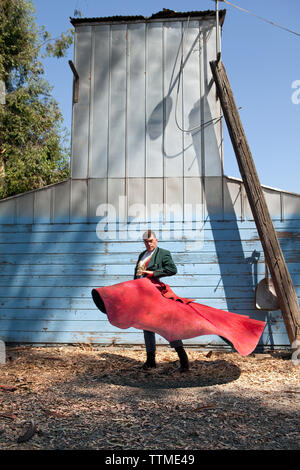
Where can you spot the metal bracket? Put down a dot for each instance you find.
(218, 44)
(76, 82)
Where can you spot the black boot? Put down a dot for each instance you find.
(150, 363)
(184, 362)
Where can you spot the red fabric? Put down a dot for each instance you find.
(148, 304)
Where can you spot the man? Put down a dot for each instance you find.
(156, 262)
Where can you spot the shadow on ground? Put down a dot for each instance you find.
(128, 372)
(104, 400)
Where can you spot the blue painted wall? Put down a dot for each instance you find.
(48, 271)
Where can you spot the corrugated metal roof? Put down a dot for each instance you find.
(164, 14)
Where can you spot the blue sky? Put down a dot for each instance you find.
(262, 63)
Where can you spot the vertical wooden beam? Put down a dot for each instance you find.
(287, 297)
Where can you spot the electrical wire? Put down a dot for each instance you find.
(260, 17)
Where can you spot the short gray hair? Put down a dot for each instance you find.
(148, 234)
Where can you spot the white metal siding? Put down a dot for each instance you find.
(139, 84)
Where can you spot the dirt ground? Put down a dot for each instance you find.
(85, 397)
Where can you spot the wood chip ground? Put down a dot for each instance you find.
(85, 397)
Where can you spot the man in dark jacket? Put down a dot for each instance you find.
(157, 262)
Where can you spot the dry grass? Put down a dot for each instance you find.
(83, 397)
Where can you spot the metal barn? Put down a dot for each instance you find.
(146, 151)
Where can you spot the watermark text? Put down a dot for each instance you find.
(123, 222)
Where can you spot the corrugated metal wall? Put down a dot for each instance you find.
(140, 85)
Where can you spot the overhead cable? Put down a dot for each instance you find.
(260, 17)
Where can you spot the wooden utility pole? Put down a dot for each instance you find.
(285, 291)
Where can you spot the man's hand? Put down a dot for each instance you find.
(147, 273)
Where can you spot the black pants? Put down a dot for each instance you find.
(150, 342)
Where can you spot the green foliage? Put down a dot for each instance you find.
(61, 44)
(33, 144)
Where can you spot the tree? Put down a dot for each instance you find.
(33, 142)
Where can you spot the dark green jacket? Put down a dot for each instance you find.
(161, 263)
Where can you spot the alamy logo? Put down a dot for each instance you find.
(174, 221)
(296, 95)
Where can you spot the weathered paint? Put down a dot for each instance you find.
(48, 273)
(76, 201)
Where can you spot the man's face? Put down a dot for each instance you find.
(150, 243)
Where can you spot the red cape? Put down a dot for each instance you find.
(150, 305)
